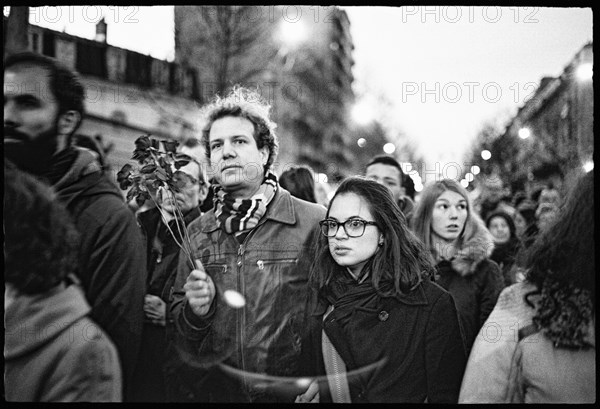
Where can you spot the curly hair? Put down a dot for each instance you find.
(41, 242)
(399, 265)
(561, 264)
(243, 103)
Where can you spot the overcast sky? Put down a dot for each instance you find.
(445, 70)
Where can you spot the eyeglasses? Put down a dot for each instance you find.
(353, 227)
(183, 179)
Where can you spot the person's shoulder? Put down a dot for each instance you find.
(308, 208)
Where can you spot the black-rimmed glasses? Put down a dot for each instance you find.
(353, 227)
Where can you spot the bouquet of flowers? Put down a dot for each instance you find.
(156, 171)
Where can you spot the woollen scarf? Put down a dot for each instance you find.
(236, 216)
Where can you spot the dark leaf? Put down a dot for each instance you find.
(141, 198)
(148, 168)
(157, 183)
(155, 143)
(123, 177)
(133, 192)
(140, 155)
(161, 174)
(142, 143)
(170, 145)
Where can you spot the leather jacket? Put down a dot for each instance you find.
(270, 269)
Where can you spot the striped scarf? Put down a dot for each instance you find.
(239, 215)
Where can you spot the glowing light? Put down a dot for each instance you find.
(584, 72)
(389, 148)
(362, 113)
(321, 178)
(588, 166)
(234, 299)
(524, 133)
(292, 34)
(485, 154)
(361, 142)
(464, 183)
(418, 187)
(475, 170)
(469, 177)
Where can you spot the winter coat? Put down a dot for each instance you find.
(270, 270)
(418, 334)
(53, 352)
(112, 260)
(473, 280)
(513, 362)
(159, 370)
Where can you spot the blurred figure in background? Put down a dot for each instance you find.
(461, 245)
(371, 298)
(506, 243)
(386, 170)
(53, 350)
(545, 215)
(545, 349)
(159, 374)
(300, 182)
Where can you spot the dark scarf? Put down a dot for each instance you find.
(240, 215)
(60, 165)
(345, 294)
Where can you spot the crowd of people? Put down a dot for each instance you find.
(254, 287)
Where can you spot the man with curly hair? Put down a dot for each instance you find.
(239, 311)
(43, 107)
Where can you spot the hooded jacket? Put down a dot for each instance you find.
(112, 258)
(270, 270)
(53, 352)
(474, 281)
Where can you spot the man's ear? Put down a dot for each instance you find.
(264, 154)
(67, 122)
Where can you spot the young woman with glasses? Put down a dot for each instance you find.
(378, 330)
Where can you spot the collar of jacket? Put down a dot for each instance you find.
(281, 209)
(474, 250)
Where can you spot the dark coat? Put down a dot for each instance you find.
(474, 281)
(270, 270)
(418, 334)
(160, 373)
(505, 255)
(112, 260)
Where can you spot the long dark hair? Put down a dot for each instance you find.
(561, 264)
(400, 263)
(565, 251)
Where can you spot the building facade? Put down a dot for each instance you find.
(128, 94)
(298, 58)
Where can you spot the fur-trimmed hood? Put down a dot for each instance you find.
(477, 245)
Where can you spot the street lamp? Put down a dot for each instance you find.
(485, 154)
(361, 142)
(584, 72)
(389, 148)
(475, 170)
(524, 133)
(588, 166)
(293, 34)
